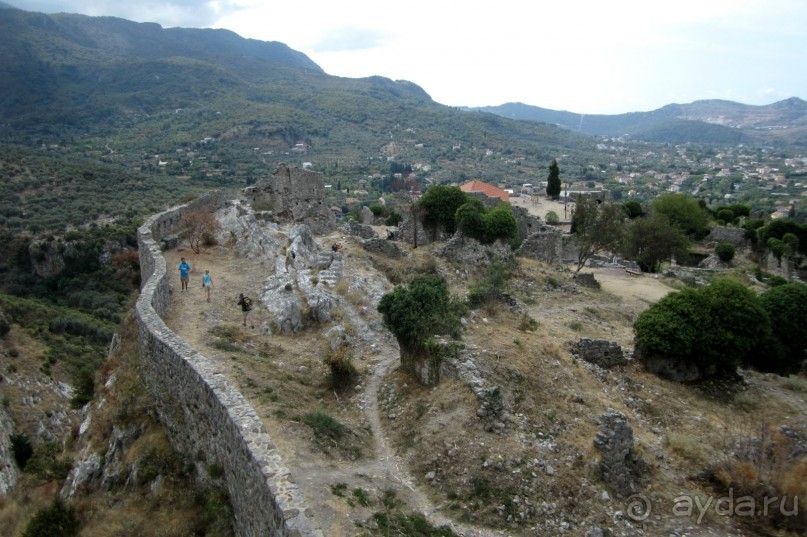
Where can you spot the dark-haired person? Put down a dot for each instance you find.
(184, 273)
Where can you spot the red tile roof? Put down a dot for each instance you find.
(489, 190)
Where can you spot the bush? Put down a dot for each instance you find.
(486, 226)
(324, 426)
(342, 371)
(725, 251)
(422, 309)
(393, 219)
(57, 519)
(787, 349)
(552, 218)
(715, 328)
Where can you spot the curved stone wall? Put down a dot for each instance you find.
(205, 416)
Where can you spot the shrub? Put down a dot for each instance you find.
(715, 328)
(633, 209)
(324, 426)
(552, 218)
(57, 519)
(787, 349)
(393, 219)
(47, 464)
(418, 311)
(342, 371)
(725, 251)
(726, 215)
(198, 228)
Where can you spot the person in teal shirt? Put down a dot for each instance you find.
(184, 273)
(207, 283)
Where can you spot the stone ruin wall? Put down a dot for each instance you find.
(296, 196)
(205, 416)
(544, 244)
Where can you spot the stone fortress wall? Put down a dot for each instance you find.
(206, 417)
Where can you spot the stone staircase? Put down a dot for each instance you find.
(330, 265)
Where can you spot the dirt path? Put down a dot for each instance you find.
(192, 317)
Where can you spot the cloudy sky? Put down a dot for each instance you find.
(586, 56)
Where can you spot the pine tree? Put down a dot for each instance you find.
(553, 181)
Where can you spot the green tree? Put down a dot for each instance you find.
(500, 223)
(683, 212)
(787, 349)
(553, 184)
(725, 251)
(469, 218)
(439, 206)
(597, 228)
(716, 328)
(633, 209)
(416, 313)
(651, 240)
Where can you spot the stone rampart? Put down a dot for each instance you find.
(206, 417)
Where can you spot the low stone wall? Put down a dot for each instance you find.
(205, 416)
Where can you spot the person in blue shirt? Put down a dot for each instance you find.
(207, 283)
(184, 273)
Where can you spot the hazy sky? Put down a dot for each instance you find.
(587, 56)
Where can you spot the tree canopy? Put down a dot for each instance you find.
(651, 240)
(597, 227)
(683, 212)
(439, 206)
(715, 327)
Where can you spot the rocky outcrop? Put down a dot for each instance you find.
(8, 469)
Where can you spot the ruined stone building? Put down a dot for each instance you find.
(293, 196)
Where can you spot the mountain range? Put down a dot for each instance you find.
(706, 121)
(138, 88)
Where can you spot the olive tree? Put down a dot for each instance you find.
(417, 312)
(597, 228)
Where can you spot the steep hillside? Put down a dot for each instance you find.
(112, 86)
(504, 445)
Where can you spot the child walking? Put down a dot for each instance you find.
(207, 283)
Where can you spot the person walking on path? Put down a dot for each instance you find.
(207, 283)
(289, 258)
(246, 306)
(184, 273)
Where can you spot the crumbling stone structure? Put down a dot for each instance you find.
(614, 441)
(204, 414)
(732, 235)
(544, 244)
(601, 352)
(294, 196)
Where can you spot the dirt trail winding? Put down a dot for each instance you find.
(192, 318)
